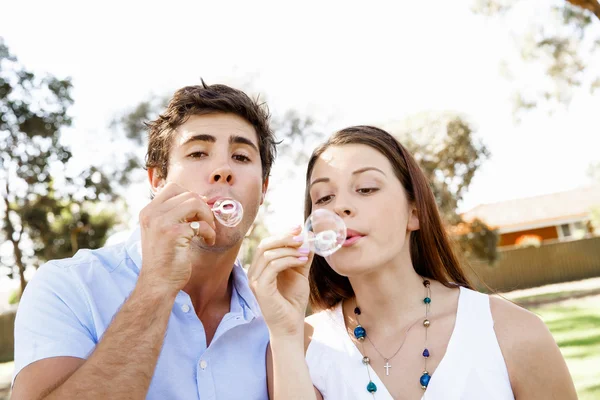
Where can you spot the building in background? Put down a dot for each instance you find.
(544, 219)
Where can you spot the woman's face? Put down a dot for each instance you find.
(358, 183)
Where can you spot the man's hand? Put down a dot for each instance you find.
(167, 236)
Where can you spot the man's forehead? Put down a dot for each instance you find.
(218, 127)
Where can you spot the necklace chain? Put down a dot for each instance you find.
(386, 359)
(360, 334)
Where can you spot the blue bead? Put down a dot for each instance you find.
(427, 300)
(359, 332)
(425, 353)
(371, 387)
(425, 379)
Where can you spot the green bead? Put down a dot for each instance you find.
(371, 387)
(427, 300)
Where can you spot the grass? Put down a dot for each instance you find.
(553, 297)
(575, 325)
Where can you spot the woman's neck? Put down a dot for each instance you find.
(390, 297)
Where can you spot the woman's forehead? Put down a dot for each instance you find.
(347, 158)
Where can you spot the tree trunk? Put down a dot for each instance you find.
(19, 261)
(10, 232)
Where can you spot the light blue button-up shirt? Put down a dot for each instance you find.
(69, 304)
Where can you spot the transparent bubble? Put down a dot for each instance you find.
(325, 232)
(228, 212)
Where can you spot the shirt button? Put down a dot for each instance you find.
(203, 364)
(185, 308)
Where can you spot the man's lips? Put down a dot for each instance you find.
(211, 202)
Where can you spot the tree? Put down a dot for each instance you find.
(45, 212)
(594, 172)
(129, 133)
(557, 49)
(298, 135)
(445, 146)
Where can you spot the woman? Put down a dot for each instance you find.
(396, 317)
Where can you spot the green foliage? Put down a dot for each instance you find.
(46, 212)
(449, 153)
(558, 49)
(14, 297)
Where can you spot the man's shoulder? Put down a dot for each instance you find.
(85, 265)
(75, 283)
(107, 257)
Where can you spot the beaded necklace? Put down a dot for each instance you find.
(360, 334)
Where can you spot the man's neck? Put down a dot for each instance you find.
(210, 285)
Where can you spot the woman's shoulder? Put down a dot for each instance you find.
(320, 317)
(529, 349)
(321, 325)
(519, 331)
(515, 325)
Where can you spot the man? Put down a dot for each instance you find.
(168, 314)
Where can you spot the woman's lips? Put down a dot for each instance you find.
(351, 240)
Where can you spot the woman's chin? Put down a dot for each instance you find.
(349, 268)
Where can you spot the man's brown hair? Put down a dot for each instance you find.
(208, 99)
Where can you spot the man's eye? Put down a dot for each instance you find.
(241, 158)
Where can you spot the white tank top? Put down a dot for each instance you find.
(472, 368)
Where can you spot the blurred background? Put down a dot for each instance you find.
(497, 99)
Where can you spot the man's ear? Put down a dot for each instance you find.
(413, 219)
(265, 186)
(156, 180)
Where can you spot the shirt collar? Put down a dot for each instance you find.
(133, 247)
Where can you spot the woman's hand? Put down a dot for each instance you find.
(278, 277)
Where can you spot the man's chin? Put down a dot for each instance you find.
(222, 244)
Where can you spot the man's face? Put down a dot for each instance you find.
(217, 155)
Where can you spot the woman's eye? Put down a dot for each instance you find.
(367, 190)
(324, 199)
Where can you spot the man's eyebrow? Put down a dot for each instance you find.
(200, 138)
(235, 139)
(242, 140)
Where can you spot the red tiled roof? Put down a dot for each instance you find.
(549, 208)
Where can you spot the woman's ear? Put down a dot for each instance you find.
(413, 219)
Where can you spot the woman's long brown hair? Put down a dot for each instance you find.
(430, 249)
